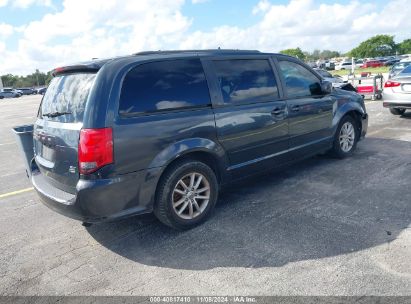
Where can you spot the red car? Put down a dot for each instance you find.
(372, 64)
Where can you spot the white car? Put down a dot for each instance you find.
(343, 66)
(359, 63)
(10, 93)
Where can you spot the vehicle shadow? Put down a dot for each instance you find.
(321, 207)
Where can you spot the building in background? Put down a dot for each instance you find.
(1, 84)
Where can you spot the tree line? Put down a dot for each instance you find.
(36, 79)
(377, 46)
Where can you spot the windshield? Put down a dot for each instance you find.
(65, 98)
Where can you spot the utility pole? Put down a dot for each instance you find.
(37, 77)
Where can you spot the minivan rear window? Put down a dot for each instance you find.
(65, 98)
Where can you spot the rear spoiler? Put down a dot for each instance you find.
(75, 68)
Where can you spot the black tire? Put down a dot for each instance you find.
(163, 207)
(396, 111)
(337, 150)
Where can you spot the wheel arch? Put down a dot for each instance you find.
(351, 109)
(201, 149)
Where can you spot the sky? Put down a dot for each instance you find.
(44, 34)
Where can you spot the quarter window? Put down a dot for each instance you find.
(246, 80)
(299, 81)
(164, 85)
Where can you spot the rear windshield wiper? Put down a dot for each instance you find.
(55, 114)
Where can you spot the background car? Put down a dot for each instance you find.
(10, 93)
(325, 65)
(397, 92)
(359, 63)
(372, 64)
(41, 91)
(343, 66)
(398, 67)
(391, 62)
(27, 91)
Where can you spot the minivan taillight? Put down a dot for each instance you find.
(391, 84)
(95, 149)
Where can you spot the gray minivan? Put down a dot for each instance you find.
(163, 131)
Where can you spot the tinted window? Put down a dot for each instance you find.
(246, 80)
(67, 93)
(299, 81)
(164, 85)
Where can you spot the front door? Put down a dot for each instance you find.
(310, 111)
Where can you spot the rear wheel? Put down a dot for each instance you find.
(186, 194)
(346, 137)
(396, 111)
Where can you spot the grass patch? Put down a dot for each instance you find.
(359, 70)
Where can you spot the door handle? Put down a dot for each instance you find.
(277, 111)
(295, 108)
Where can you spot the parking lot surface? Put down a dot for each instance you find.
(321, 227)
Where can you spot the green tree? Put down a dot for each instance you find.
(294, 52)
(405, 47)
(9, 80)
(327, 54)
(379, 45)
(35, 79)
(316, 54)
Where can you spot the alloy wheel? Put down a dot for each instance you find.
(347, 137)
(191, 195)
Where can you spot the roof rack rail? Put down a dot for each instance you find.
(196, 51)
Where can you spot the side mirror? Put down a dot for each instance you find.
(326, 87)
(320, 88)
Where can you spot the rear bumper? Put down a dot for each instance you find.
(396, 100)
(402, 104)
(99, 200)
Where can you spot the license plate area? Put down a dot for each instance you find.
(406, 88)
(47, 153)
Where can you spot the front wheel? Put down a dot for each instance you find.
(396, 111)
(186, 194)
(346, 138)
